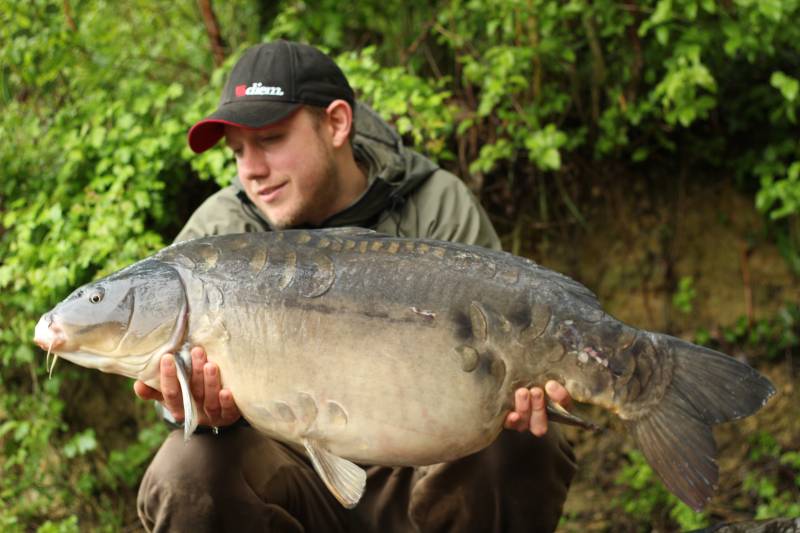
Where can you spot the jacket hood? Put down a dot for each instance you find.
(393, 173)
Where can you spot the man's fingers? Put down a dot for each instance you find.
(230, 413)
(219, 404)
(518, 418)
(170, 387)
(197, 380)
(558, 394)
(211, 403)
(512, 419)
(538, 421)
(522, 406)
(530, 407)
(146, 392)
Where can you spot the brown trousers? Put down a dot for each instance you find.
(244, 481)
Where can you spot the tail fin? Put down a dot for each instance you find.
(707, 388)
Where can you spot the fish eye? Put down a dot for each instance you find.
(97, 296)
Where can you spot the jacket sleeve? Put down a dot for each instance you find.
(443, 208)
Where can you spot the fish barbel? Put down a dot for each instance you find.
(365, 348)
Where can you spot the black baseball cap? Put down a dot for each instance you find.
(268, 84)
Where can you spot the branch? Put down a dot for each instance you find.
(411, 50)
(631, 91)
(533, 34)
(598, 64)
(212, 28)
(68, 16)
(744, 255)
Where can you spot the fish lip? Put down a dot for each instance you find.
(46, 345)
(48, 334)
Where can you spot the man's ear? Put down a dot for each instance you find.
(340, 122)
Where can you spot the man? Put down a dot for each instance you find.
(287, 113)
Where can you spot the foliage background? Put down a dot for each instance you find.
(549, 109)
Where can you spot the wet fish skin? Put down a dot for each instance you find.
(385, 350)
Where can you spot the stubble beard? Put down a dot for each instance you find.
(314, 209)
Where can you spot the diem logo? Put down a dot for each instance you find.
(258, 88)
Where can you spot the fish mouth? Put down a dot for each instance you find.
(49, 334)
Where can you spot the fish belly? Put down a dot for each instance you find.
(374, 389)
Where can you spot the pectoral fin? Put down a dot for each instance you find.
(183, 364)
(344, 479)
(556, 413)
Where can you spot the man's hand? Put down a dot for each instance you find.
(215, 404)
(529, 407)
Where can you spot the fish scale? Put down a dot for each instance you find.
(365, 348)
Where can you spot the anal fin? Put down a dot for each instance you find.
(344, 479)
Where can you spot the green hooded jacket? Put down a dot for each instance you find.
(407, 196)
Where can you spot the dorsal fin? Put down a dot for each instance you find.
(351, 231)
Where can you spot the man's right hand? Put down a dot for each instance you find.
(215, 404)
(530, 413)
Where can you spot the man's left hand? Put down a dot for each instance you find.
(529, 407)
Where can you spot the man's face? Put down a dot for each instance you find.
(287, 169)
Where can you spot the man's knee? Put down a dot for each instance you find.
(210, 482)
(238, 481)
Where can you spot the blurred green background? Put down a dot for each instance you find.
(648, 148)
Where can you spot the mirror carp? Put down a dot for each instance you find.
(366, 348)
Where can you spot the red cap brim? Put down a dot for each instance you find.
(248, 115)
(205, 134)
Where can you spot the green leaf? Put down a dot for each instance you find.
(787, 85)
(640, 154)
(550, 159)
(81, 444)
